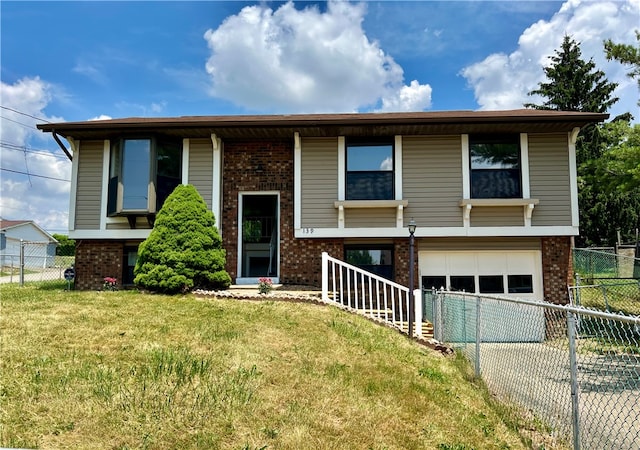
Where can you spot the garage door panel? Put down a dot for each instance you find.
(486, 263)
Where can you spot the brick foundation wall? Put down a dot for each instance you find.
(557, 268)
(98, 259)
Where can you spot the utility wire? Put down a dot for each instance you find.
(22, 148)
(33, 175)
(24, 114)
(19, 123)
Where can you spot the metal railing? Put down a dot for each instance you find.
(32, 261)
(363, 292)
(576, 369)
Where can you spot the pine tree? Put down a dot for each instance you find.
(576, 85)
(184, 249)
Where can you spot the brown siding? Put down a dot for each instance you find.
(549, 179)
(89, 187)
(319, 182)
(432, 180)
(201, 168)
(497, 216)
(370, 217)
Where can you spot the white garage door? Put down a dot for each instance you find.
(516, 273)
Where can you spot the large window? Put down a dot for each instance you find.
(495, 166)
(369, 169)
(142, 174)
(377, 259)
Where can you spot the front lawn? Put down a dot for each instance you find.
(123, 370)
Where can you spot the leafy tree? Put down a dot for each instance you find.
(66, 246)
(184, 249)
(625, 54)
(610, 185)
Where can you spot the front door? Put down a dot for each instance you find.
(258, 237)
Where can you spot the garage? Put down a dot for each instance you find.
(500, 272)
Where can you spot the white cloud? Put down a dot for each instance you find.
(306, 61)
(416, 97)
(44, 200)
(502, 81)
(102, 117)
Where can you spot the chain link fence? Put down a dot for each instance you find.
(32, 261)
(604, 263)
(576, 369)
(607, 294)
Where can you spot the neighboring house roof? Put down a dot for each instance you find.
(13, 224)
(280, 126)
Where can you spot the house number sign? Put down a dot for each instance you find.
(307, 231)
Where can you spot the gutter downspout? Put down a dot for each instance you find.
(64, 149)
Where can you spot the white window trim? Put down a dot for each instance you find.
(216, 175)
(297, 181)
(467, 203)
(106, 160)
(75, 147)
(252, 280)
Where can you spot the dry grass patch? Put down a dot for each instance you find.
(123, 370)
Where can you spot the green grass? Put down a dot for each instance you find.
(123, 370)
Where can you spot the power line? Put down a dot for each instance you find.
(24, 114)
(22, 148)
(33, 175)
(19, 123)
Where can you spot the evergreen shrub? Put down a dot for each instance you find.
(184, 249)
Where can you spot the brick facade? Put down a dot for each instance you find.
(268, 166)
(98, 259)
(557, 268)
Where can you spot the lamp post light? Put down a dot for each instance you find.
(412, 230)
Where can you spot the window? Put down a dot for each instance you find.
(375, 259)
(466, 283)
(495, 166)
(520, 284)
(434, 282)
(142, 174)
(369, 169)
(491, 284)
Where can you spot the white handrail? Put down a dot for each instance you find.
(367, 292)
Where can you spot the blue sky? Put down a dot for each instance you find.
(71, 61)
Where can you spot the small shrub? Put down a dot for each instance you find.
(265, 285)
(110, 284)
(184, 249)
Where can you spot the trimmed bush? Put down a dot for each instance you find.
(184, 250)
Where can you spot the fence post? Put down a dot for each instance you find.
(438, 332)
(575, 399)
(21, 262)
(325, 276)
(417, 303)
(604, 295)
(478, 337)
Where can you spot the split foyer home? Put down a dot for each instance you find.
(493, 194)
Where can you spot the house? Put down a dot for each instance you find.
(493, 193)
(40, 250)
